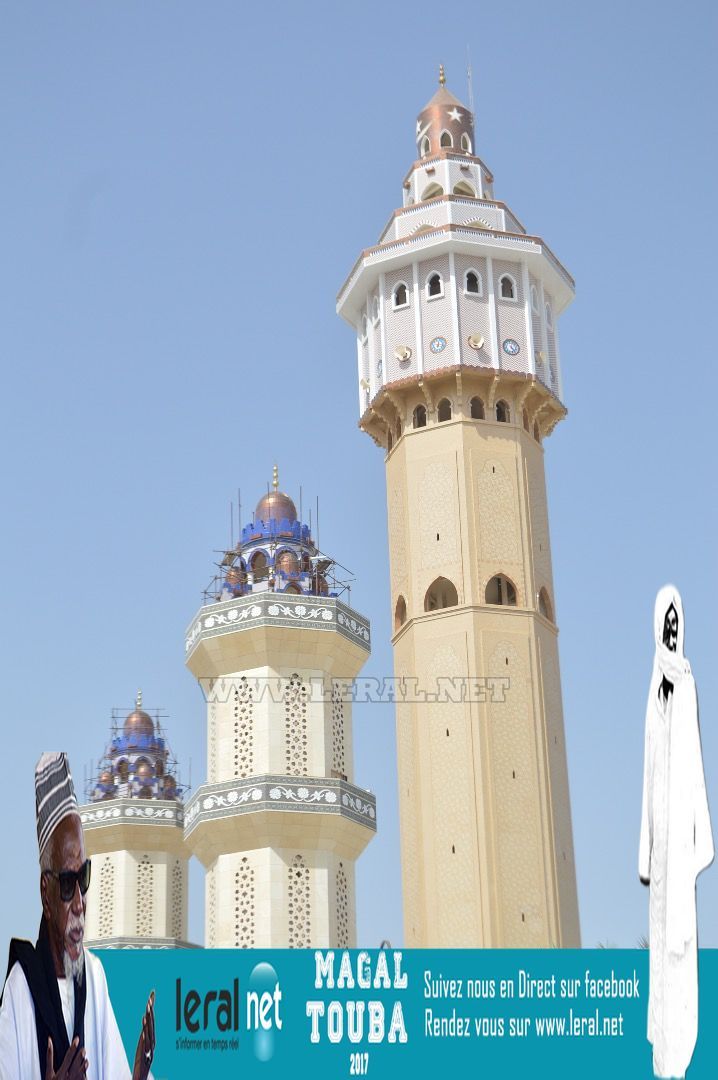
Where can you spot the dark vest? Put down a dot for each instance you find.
(39, 969)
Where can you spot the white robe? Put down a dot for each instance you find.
(676, 844)
(18, 1036)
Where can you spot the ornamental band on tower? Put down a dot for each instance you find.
(455, 311)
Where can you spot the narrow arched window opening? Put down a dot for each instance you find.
(375, 309)
(425, 146)
(534, 299)
(399, 613)
(440, 594)
(545, 606)
(389, 440)
(432, 192)
(364, 328)
(477, 408)
(537, 431)
(501, 591)
(446, 140)
(503, 413)
(435, 286)
(464, 188)
(419, 416)
(397, 430)
(466, 143)
(260, 566)
(525, 418)
(472, 283)
(549, 316)
(444, 410)
(507, 288)
(400, 296)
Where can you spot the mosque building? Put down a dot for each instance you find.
(456, 313)
(134, 833)
(279, 823)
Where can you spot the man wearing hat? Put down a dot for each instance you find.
(56, 1018)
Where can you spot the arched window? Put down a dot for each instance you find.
(398, 430)
(549, 316)
(432, 192)
(419, 417)
(464, 188)
(375, 309)
(260, 566)
(399, 613)
(425, 146)
(364, 327)
(507, 288)
(293, 589)
(501, 591)
(400, 296)
(477, 408)
(473, 283)
(389, 440)
(466, 143)
(537, 431)
(544, 603)
(534, 299)
(446, 141)
(444, 410)
(440, 594)
(503, 413)
(525, 418)
(434, 285)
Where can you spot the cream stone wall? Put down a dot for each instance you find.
(281, 897)
(139, 895)
(487, 851)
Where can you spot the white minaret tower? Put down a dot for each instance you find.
(133, 827)
(280, 822)
(455, 311)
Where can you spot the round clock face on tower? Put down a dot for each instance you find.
(511, 347)
(438, 344)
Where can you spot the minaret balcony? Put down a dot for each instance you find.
(324, 813)
(250, 631)
(130, 824)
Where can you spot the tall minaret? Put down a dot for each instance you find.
(133, 825)
(279, 823)
(455, 311)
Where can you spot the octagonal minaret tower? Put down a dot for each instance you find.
(455, 311)
(280, 822)
(133, 825)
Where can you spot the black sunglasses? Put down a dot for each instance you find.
(69, 879)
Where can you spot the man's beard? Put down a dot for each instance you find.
(74, 969)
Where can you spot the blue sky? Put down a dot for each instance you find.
(185, 187)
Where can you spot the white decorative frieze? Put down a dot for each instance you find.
(321, 613)
(140, 810)
(317, 794)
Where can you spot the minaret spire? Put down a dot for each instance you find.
(275, 478)
(442, 75)
(138, 699)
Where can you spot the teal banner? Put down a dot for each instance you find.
(507, 1013)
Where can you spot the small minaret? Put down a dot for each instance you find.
(279, 823)
(455, 311)
(133, 826)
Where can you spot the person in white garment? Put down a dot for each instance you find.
(676, 841)
(56, 1017)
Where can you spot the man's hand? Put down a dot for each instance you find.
(74, 1065)
(146, 1044)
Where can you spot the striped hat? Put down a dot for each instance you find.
(54, 795)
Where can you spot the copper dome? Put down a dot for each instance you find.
(275, 506)
(139, 723)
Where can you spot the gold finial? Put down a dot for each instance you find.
(275, 478)
(442, 76)
(138, 700)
